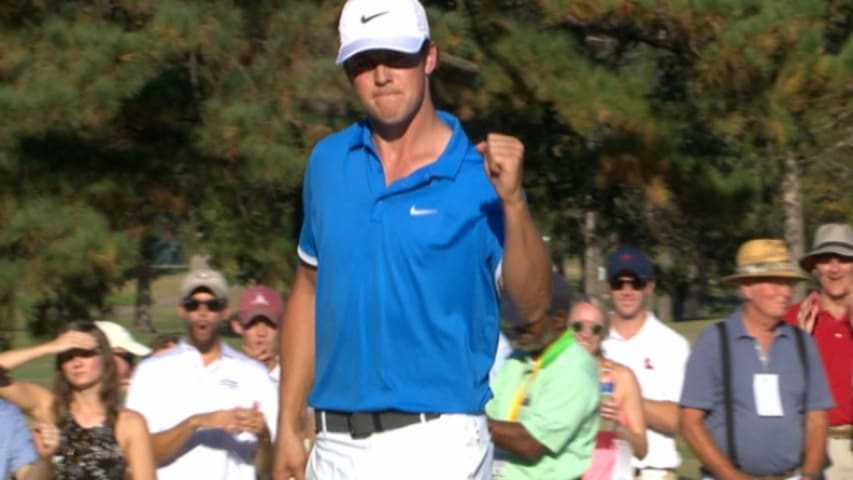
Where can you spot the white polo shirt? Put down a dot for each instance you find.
(170, 387)
(275, 375)
(658, 356)
(503, 352)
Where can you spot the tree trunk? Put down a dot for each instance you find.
(591, 256)
(792, 205)
(142, 314)
(692, 293)
(663, 301)
(8, 318)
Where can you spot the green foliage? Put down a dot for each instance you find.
(129, 121)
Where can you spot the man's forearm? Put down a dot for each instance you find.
(661, 416)
(264, 456)
(514, 438)
(700, 441)
(815, 441)
(297, 352)
(526, 268)
(167, 444)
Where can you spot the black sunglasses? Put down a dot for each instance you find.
(635, 283)
(77, 352)
(597, 329)
(213, 305)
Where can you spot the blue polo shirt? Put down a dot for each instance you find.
(16, 444)
(765, 445)
(407, 303)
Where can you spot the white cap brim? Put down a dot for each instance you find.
(396, 44)
(133, 347)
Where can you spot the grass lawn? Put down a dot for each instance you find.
(166, 320)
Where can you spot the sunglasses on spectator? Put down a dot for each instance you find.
(213, 305)
(596, 329)
(635, 283)
(77, 352)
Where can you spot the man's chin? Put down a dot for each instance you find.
(531, 349)
(203, 344)
(628, 312)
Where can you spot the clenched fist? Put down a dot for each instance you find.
(503, 157)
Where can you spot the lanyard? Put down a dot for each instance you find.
(548, 356)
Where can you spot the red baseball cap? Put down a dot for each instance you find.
(260, 301)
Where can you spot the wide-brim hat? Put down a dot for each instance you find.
(764, 258)
(830, 238)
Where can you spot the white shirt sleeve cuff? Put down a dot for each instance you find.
(306, 258)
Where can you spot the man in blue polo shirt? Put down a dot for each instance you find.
(755, 406)
(17, 454)
(392, 322)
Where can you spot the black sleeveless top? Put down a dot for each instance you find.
(88, 453)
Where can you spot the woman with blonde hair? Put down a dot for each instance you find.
(80, 425)
(622, 432)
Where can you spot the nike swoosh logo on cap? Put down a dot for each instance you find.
(365, 19)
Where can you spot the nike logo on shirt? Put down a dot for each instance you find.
(365, 19)
(415, 211)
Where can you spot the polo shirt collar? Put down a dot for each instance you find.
(448, 163)
(227, 351)
(823, 312)
(648, 322)
(737, 328)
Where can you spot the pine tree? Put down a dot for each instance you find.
(129, 121)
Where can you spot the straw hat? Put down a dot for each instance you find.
(764, 258)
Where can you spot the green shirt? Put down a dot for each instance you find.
(560, 411)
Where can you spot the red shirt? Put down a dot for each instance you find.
(834, 339)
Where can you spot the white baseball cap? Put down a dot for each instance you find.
(398, 25)
(119, 337)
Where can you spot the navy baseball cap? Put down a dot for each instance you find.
(629, 260)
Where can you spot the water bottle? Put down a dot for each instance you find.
(606, 395)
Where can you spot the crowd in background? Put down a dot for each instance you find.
(605, 391)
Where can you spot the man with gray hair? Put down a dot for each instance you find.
(755, 396)
(825, 316)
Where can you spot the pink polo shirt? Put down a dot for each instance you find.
(834, 339)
